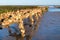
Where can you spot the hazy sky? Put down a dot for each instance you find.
(29, 2)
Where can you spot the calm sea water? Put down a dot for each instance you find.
(49, 28)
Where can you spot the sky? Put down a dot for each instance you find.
(30, 2)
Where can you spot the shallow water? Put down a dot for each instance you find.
(49, 28)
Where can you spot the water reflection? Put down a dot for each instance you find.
(30, 29)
